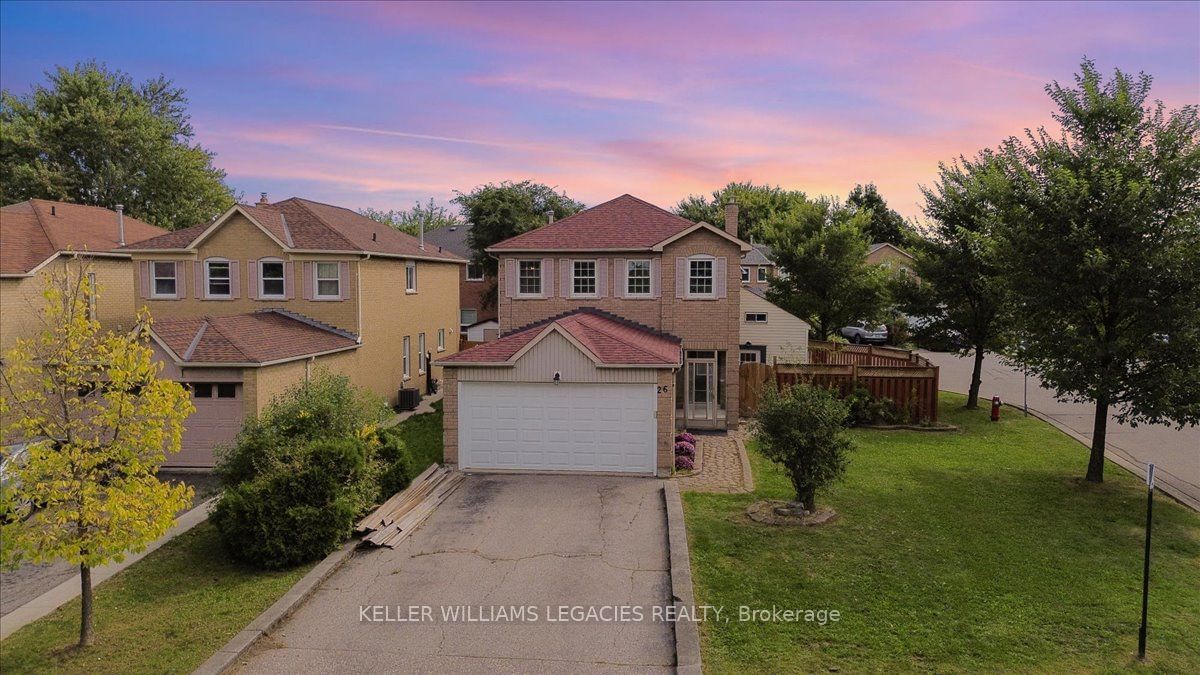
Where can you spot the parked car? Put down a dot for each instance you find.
(11, 458)
(861, 332)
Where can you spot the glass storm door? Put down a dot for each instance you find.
(701, 389)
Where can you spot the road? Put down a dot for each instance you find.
(1174, 452)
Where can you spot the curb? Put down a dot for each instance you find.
(687, 634)
(68, 590)
(226, 657)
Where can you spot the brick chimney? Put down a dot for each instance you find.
(262, 199)
(731, 217)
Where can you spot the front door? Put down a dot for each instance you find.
(701, 389)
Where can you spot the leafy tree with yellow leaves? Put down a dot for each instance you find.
(98, 423)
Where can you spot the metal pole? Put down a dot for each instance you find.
(1026, 371)
(1146, 562)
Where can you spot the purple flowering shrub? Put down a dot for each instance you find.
(686, 438)
(684, 462)
(685, 449)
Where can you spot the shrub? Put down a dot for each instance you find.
(396, 464)
(802, 429)
(866, 409)
(685, 449)
(684, 462)
(302, 509)
(686, 438)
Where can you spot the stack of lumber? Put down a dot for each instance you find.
(396, 518)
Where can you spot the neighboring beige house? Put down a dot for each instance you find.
(757, 266)
(770, 333)
(617, 325)
(38, 237)
(476, 312)
(890, 255)
(254, 301)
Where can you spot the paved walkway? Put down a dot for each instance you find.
(723, 465)
(1175, 452)
(500, 542)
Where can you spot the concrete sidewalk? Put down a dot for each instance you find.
(1174, 452)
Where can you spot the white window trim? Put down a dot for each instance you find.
(540, 277)
(482, 273)
(262, 280)
(747, 315)
(755, 352)
(649, 277)
(91, 297)
(762, 274)
(595, 278)
(441, 347)
(406, 359)
(745, 274)
(410, 265)
(421, 353)
(713, 262)
(154, 279)
(317, 279)
(207, 294)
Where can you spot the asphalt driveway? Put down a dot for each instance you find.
(500, 543)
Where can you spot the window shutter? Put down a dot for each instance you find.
(681, 277)
(200, 290)
(622, 273)
(144, 273)
(235, 280)
(180, 280)
(252, 280)
(721, 273)
(547, 277)
(344, 279)
(602, 277)
(564, 277)
(510, 277)
(289, 280)
(655, 282)
(307, 282)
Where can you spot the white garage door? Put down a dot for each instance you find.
(563, 427)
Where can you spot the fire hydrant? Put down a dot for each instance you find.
(995, 408)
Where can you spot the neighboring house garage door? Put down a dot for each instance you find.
(563, 427)
(217, 420)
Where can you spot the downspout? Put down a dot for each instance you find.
(358, 295)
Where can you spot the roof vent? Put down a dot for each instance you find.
(52, 210)
(550, 217)
(374, 236)
(262, 198)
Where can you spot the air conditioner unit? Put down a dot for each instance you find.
(410, 399)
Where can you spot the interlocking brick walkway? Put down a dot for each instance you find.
(723, 465)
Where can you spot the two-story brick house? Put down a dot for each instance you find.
(477, 311)
(617, 325)
(254, 301)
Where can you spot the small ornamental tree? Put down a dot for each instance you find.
(99, 423)
(803, 428)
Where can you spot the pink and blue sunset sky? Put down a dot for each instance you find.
(381, 105)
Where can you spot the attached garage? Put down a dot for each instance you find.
(587, 392)
(217, 420)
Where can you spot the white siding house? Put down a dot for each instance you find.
(768, 332)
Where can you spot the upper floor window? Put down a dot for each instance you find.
(410, 276)
(745, 274)
(756, 317)
(441, 339)
(270, 279)
(328, 280)
(762, 275)
(421, 354)
(700, 276)
(474, 272)
(637, 277)
(164, 281)
(529, 277)
(91, 295)
(583, 277)
(217, 279)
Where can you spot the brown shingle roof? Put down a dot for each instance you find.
(33, 231)
(613, 340)
(306, 225)
(256, 337)
(622, 223)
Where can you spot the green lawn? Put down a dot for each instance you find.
(423, 435)
(972, 550)
(167, 613)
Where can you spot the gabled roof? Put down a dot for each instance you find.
(876, 247)
(251, 339)
(608, 340)
(452, 238)
(622, 224)
(34, 231)
(300, 225)
(762, 293)
(759, 254)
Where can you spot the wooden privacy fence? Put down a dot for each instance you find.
(913, 389)
(820, 352)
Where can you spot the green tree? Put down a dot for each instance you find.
(93, 136)
(885, 224)
(429, 214)
(1101, 251)
(821, 248)
(957, 288)
(757, 204)
(803, 428)
(100, 422)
